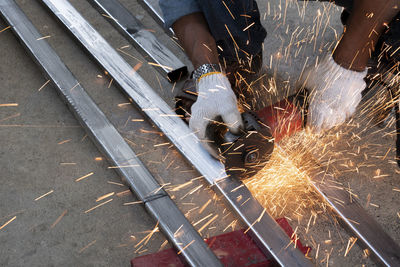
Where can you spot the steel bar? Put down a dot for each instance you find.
(368, 231)
(110, 142)
(354, 217)
(155, 12)
(143, 40)
(267, 233)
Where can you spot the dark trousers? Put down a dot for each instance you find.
(227, 20)
(235, 26)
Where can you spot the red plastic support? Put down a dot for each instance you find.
(233, 249)
(284, 118)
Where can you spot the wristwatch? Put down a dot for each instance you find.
(204, 69)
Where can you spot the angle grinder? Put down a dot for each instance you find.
(245, 153)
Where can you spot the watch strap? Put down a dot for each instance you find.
(205, 69)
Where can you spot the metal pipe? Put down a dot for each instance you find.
(110, 142)
(368, 231)
(143, 40)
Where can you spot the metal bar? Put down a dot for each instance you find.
(110, 142)
(264, 229)
(154, 10)
(355, 217)
(369, 232)
(143, 40)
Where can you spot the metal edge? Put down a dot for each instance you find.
(173, 127)
(153, 9)
(262, 227)
(191, 246)
(110, 142)
(355, 217)
(143, 40)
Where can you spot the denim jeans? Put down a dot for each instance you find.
(226, 24)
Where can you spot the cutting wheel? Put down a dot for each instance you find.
(247, 153)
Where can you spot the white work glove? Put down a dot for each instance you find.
(335, 93)
(215, 98)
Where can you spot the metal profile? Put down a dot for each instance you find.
(154, 10)
(263, 228)
(143, 40)
(368, 231)
(110, 142)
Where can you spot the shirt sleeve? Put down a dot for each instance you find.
(172, 10)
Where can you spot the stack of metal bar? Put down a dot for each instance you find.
(264, 230)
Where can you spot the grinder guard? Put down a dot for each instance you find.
(245, 153)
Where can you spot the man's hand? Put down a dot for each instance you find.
(336, 83)
(335, 93)
(215, 98)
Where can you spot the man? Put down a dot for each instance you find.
(214, 31)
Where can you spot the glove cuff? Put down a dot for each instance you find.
(208, 74)
(213, 81)
(328, 65)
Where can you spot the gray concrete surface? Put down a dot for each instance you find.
(43, 149)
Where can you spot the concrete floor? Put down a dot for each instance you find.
(43, 149)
